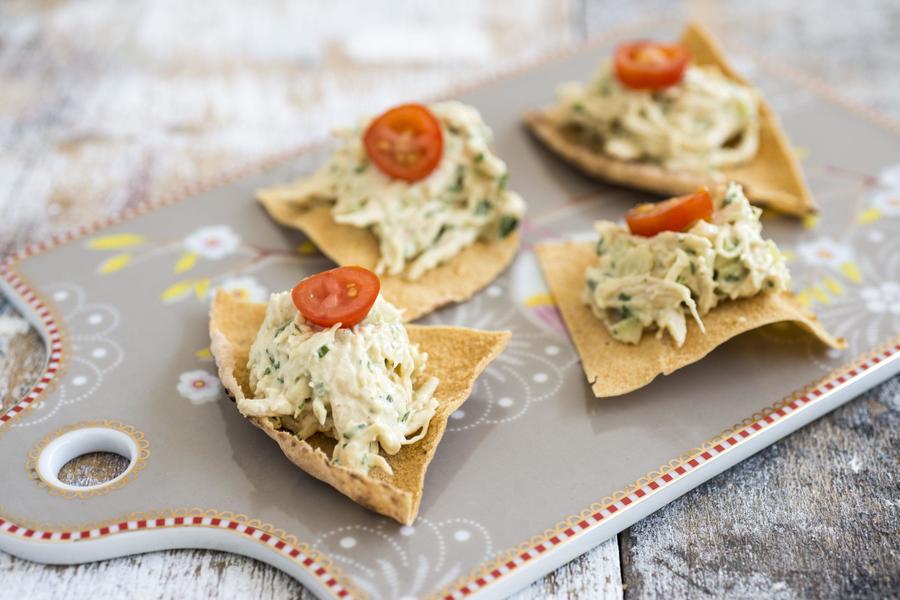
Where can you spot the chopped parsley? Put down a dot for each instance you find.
(361, 168)
(404, 417)
(503, 181)
(483, 207)
(460, 178)
(624, 297)
(323, 350)
(507, 225)
(479, 157)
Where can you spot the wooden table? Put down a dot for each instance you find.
(103, 105)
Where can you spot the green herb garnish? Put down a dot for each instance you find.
(504, 179)
(460, 177)
(323, 350)
(507, 225)
(483, 207)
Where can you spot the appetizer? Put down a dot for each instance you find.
(352, 396)
(669, 118)
(661, 292)
(416, 195)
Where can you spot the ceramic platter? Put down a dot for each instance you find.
(532, 472)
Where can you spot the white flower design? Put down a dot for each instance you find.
(245, 288)
(888, 202)
(825, 252)
(199, 386)
(882, 298)
(213, 242)
(890, 177)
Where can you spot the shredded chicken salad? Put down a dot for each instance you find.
(365, 387)
(705, 122)
(421, 224)
(646, 283)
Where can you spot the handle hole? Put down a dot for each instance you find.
(93, 468)
(87, 458)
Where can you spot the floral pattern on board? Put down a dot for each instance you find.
(244, 288)
(199, 386)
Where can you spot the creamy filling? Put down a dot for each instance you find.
(653, 283)
(705, 122)
(364, 387)
(422, 224)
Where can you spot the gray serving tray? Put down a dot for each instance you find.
(532, 471)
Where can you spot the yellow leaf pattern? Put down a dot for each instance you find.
(177, 290)
(810, 221)
(114, 263)
(186, 262)
(203, 353)
(819, 295)
(116, 241)
(201, 288)
(833, 286)
(851, 271)
(868, 216)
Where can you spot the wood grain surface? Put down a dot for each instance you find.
(103, 105)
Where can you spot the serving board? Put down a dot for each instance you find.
(532, 471)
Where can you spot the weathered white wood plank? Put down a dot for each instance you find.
(596, 574)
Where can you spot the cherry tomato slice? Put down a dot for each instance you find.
(344, 295)
(646, 65)
(675, 214)
(406, 142)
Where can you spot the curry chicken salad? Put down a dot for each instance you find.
(424, 181)
(655, 273)
(649, 104)
(358, 380)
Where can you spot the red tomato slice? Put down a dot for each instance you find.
(675, 214)
(406, 142)
(650, 66)
(344, 295)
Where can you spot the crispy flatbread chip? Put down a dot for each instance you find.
(454, 281)
(456, 356)
(615, 368)
(772, 179)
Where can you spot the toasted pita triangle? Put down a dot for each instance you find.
(614, 368)
(454, 281)
(456, 356)
(772, 179)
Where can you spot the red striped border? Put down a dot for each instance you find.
(249, 531)
(54, 343)
(584, 524)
